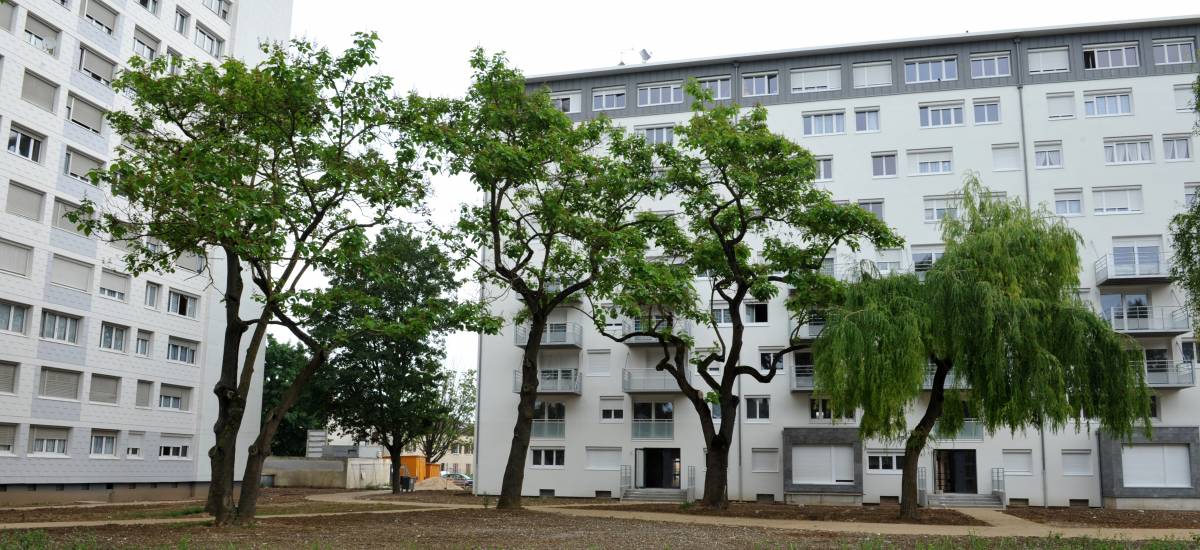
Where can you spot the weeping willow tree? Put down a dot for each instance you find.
(999, 313)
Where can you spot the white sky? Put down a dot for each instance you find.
(426, 43)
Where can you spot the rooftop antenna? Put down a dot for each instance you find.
(645, 55)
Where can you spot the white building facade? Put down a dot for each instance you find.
(1093, 121)
(105, 379)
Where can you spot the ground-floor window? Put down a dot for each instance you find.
(1156, 466)
(822, 464)
(548, 458)
(887, 462)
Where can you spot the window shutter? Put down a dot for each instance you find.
(98, 65)
(14, 258)
(60, 383)
(41, 29)
(71, 274)
(764, 460)
(49, 433)
(114, 281)
(86, 114)
(61, 209)
(7, 9)
(24, 202)
(80, 164)
(105, 389)
(102, 14)
(1060, 105)
(8, 380)
(599, 363)
(38, 91)
(145, 39)
(8, 432)
(176, 391)
(144, 389)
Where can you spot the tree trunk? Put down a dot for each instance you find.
(395, 469)
(716, 473)
(917, 440)
(514, 469)
(230, 405)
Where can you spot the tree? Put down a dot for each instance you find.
(280, 168)
(557, 213)
(1185, 233)
(284, 361)
(998, 313)
(458, 401)
(752, 222)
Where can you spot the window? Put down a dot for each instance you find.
(85, 114)
(150, 5)
(599, 362)
(1177, 147)
(766, 358)
(182, 304)
(1110, 56)
(1068, 202)
(1190, 193)
(756, 313)
(173, 451)
(78, 165)
(181, 21)
(1185, 100)
(824, 170)
(987, 111)
(925, 256)
(823, 124)
(219, 7)
(62, 212)
(104, 389)
(664, 135)
(613, 98)
(818, 79)
(24, 143)
(24, 201)
(49, 441)
(190, 261)
(722, 316)
(714, 411)
(100, 69)
(60, 327)
(41, 35)
(990, 65)
(145, 45)
(113, 337)
(566, 102)
(758, 408)
(1006, 157)
(821, 409)
(760, 84)
(822, 464)
(142, 345)
(1060, 106)
(612, 410)
(39, 91)
(1047, 154)
(931, 162)
(866, 120)
(883, 165)
(144, 390)
(173, 397)
(1077, 462)
(1154, 407)
(7, 14)
(548, 458)
(721, 88)
(764, 460)
(939, 208)
(871, 75)
(59, 384)
(1107, 104)
(8, 377)
(931, 70)
(13, 316)
(933, 116)
(1017, 461)
(8, 432)
(15, 258)
(1127, 151)
(208, 41)
(133, 445)
(114, 285)
(104, 443)
(71, 274)
(874, 206)
(1116, 200)
(152, 292)
(1049, 60)
(181, 351)
(885, 462)
(1156, 465)
(603, 458)
(1174, 52)
(660, 94)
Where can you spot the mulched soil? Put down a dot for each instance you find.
(479, 528)
(468, 499)
(855, 514)
(1105, 517)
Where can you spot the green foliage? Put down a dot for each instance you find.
(1000, 308)
(457, 397)
(1185, 266)
(283, 362)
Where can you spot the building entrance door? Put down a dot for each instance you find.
(955, 471)
(657, 468)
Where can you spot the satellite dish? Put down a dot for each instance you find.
(645, 55)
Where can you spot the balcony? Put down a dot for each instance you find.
(1143, 267)
(549, 429)
(649, 380)
(1148, 321)
(653, 429)
(557, 335)
(684, 328)
(553, 381)
(1163, 373)
(809, 331)
(952, 380)
(972, 430)
(802, 378)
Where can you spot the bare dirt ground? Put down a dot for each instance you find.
(467, 499)
(1104, 517)
(857, 514)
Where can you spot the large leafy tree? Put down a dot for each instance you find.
(458, 402)
(999, 314)
(283, 362)
(753, 224)
(557, 209)
(1185, 233)
(278, 168)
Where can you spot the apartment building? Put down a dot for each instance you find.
(1093, 121)
(105, 378)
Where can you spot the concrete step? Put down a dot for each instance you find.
(956, 500)
(654, 495)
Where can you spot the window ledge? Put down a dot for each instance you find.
(1007, 170)
(931, 174)
(757, 421)
(891, 177)
(1048, 167)
(174, 459)
(104, 404)
(1018, 474)
(1134, 212)
(1129, 163)
(103, 457)
(64, 399)
(61, 342)
(987, 123)
(1078, 475)
(866, 131)
(1070, 215)
(886, 472)
(49, 455)
(114, 351)
(1189, 159)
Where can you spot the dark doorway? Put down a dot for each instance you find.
(955, 470)
(658, 468)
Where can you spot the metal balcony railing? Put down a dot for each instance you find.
(549, 429)
(802, 378)
(553, 381)
(952, 380)
(1164, 373)
(681, 328)
(649, 380)
(653, 429)
(1148, 319)
(972, 430)
(808, 331)
(1132, 265)
(556, 335)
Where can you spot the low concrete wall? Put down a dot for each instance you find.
(50, 494)
(334, 473)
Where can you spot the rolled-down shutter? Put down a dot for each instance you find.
(105, 389)
(7, 9)
(144, 389)
(176, 391)
(61, 220)
(71, 274)
(14, 258)
(8, 436)
(97, 65)
(102, 14)
(42, 432)
(80, 164)
(24, 202)
(86, 114)
(114, 281)
(38, 91)
(8, 377)
(60, 383)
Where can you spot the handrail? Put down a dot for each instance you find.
(1147, 318)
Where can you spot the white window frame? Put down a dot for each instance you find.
(720, 86)
(1108, 50)
(1027, 453)
(1063, 199)
(993, 60)
(14, 314)
(175, 300)
(1133, 194)
(823, 168)
(1116, 149)
(114, 337)
(172, 451)
(1078, 452)
(941, 62)
(1002, 148)
(864, 114)
(48, 446)
(1044, 155)
(938, 208)
(1113, 103)
(882, 456)
(538, 458)
(179, 351)
(209, 41)
(926, 113)
(1178, 46)
(613, 405)
(867, 83)
(774, 468)
(755, 306)
(1039, 51)
(979, 106)
(831, 123)
(1177, 147)
(50, 329)
(152, 295)
(883, 156)
(143, 347)
(754, 409)
(21, 138)
(617, 95)
(672, 89)
(658, 135)
(108, 445)
(1058, 95)
(816, 79)
(770, 84)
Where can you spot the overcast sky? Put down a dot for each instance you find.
(425, 44)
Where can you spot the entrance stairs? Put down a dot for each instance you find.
(965, 500)
(654, 495)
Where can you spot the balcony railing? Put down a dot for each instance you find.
(1132, 266)
(653, 429)
(1163, 373)
(553, 381)
(808, 331)
(802, 378)
(952, 380)
(972, 430)
(1148, 319)
(649, 380)
(549, 429)
(556, 335)
(681, 328)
